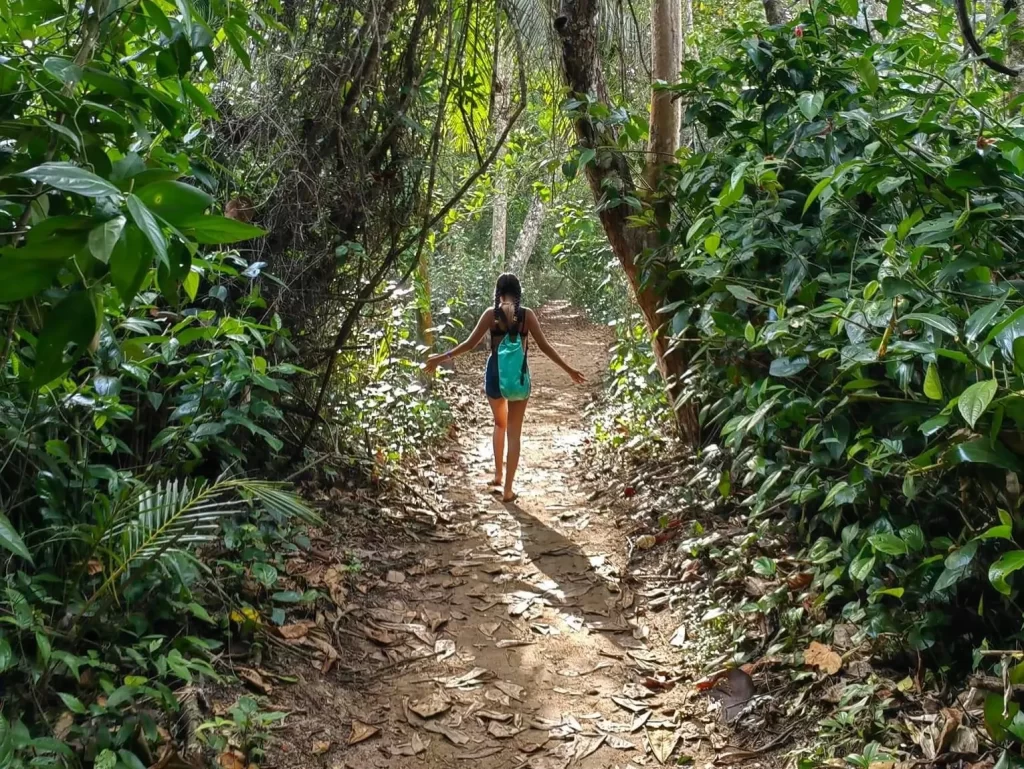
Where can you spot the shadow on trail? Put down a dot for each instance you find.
(563, 562)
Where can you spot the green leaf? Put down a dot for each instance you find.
(191, 284)
(265, 574)
(810, 104)
(26, 271)
(64, 70)
(159, 18)
(861, 568)
(11, 540)
(129, 262)
(945, 325)
(216, 230)
(932, 383)
(71, 178)
(818, 189)
(913, 536)
(102, 239)
(74, 320)
(711, 243)
(974, 401)
(175, 202)
(1007, 564)
(981, 318)
(894, 12)
(749, 332)
(147, 223)
(6, 655)
(764, 566)
(72, 703)
(889, 544)
(982, 451)
(743, 294)
(787, 367)
(587, 154)
(198, 98)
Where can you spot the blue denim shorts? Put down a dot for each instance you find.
(491, 385)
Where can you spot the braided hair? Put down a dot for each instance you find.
(508, 288)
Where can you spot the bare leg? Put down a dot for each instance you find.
(516, 413)
(499, 407)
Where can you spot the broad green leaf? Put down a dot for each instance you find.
(217, 230)
(743, 294)
(945, 325)
(850, 7)
(72, 321)
(974, 401)
(11, 540)
(894, 12)
(6, 655)
(787, 367)
(981, 318)
(102, 239)
(932, 383)
(26, 271)
(64, 70)
(175, 202)
(749, 332)
(861, 568)
(71, 178)
(191, 284)
(810, 104)
(816, 192)
(895, 592)
(1007, 564)
(984, 451)
(159, 18)
(130, 260)
(913, 536)
(72, 703)
(587, 154)
(1009, 320)
(199, 99)
(147, 223)
(711, 243)
(889, 544)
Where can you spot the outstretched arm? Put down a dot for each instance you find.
(474, 339)
(533, 327)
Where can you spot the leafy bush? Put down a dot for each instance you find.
(845, 252)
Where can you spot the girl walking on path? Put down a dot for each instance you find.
(511, 326)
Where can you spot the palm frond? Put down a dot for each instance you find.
(178, 515)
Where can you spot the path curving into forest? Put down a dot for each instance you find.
(533, 658)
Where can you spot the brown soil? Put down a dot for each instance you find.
(514, 622)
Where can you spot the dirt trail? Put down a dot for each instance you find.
(523, 606)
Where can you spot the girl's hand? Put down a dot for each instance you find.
(577, 376)
(432, 362)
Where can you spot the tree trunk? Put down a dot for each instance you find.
(424, 315)
(775, 12)
(499, 211)
(528, 235)
(609, 173)
(1015, 49)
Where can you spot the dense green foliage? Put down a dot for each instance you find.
(845, 277)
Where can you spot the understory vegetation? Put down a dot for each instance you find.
(230, 232)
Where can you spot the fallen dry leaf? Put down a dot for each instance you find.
(587, 746)
(362, 732)
(619, 743)
(633, 706)
(321, 747)
(296, 630)
(415, 746)
(231, 759)
(444, 649)
(663, 743)
(255, 680)
(679, 637)
(502, 731)
(511, 690)
(469, 680)
(396, 577)
(820, 656)
(484, 753)
(512, 643)
(434, 705)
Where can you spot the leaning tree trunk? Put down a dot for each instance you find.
(528, 235)
(775, 12)
(576, 25)
(499, 211)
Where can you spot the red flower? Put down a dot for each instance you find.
(798, 32)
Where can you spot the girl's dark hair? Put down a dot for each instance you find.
(507, 286)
